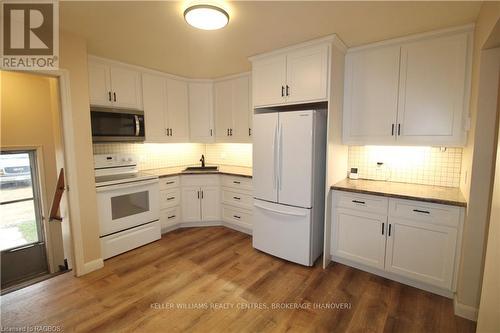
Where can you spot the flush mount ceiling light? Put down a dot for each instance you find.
(206, 17)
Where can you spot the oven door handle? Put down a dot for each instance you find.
(137, 125)
(107, 188)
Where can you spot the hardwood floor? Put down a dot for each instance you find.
(200, 268)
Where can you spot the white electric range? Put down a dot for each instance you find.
(127, 203)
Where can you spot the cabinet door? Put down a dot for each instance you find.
(177, 110)
(223, 92)
(421, 251)
(210, 203)
(371, 96)
(359, 237)
(191, 204)
(154, 98)
(201, 112)
(268, 81)
(307, 75)
(99, 84)
(126, 87)
(241, 110)
(432, 89)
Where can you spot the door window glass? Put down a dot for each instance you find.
(20, 217)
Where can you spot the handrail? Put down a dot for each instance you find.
(56, 202)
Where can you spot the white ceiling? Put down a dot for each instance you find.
(154, 34)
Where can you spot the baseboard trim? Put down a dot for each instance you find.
(92, 266)
(465, 311)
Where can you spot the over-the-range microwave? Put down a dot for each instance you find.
(115, 125)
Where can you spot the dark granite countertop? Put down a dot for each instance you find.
(223, 169)
(435, 194)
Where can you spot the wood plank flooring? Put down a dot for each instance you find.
(212, 280)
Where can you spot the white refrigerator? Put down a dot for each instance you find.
(289, 151)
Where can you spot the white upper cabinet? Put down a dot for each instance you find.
(165, 109)
(99, 84)
(412, 92)
(371, 95)
(113, 85)
(269, 80)
(201, 112)
(307, 74)
(232, 109)
(432, 91)
(154, 97)
(297, 76)
(178, 110)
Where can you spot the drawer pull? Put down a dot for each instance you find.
(421, 211)
(170, 198)
(237, 198)
(171, 217)
(359, 202)
(236, 182)
(171, 182)
(237, 217)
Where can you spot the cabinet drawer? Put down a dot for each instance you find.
(425, 212)
(362, 202)
(170, 217)
(169, 182)
(241, 183)
(236, 198)
(200, 180)
(170, 198)
(237, 216)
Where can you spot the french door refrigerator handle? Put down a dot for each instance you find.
(278, 211)
(280, 159)
(275, 155)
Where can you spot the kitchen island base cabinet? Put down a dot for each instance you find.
(413, 242)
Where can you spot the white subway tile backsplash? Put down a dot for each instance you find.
(420, 165)
(161, 155)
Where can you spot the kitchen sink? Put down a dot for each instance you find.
(206, 168)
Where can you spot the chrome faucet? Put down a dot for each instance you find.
(202, 160)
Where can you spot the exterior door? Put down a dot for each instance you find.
(178, 110)
(265, 163)
(359, 237)
(307, 74)
(22, 241)
(371, 96)
(191, 204)
(295, 158)
(421, 251)
(268, 81)
(210, 203)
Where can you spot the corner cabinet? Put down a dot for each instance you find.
(114, 85)
(165, 109)
(413, 92)
(292, 76)
(201, 121)
(232, 109)
(413, 242)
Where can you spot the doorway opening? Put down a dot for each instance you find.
(35, 242)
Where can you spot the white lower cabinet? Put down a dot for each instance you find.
(359, 237)
(409, 241)
(197, 200)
